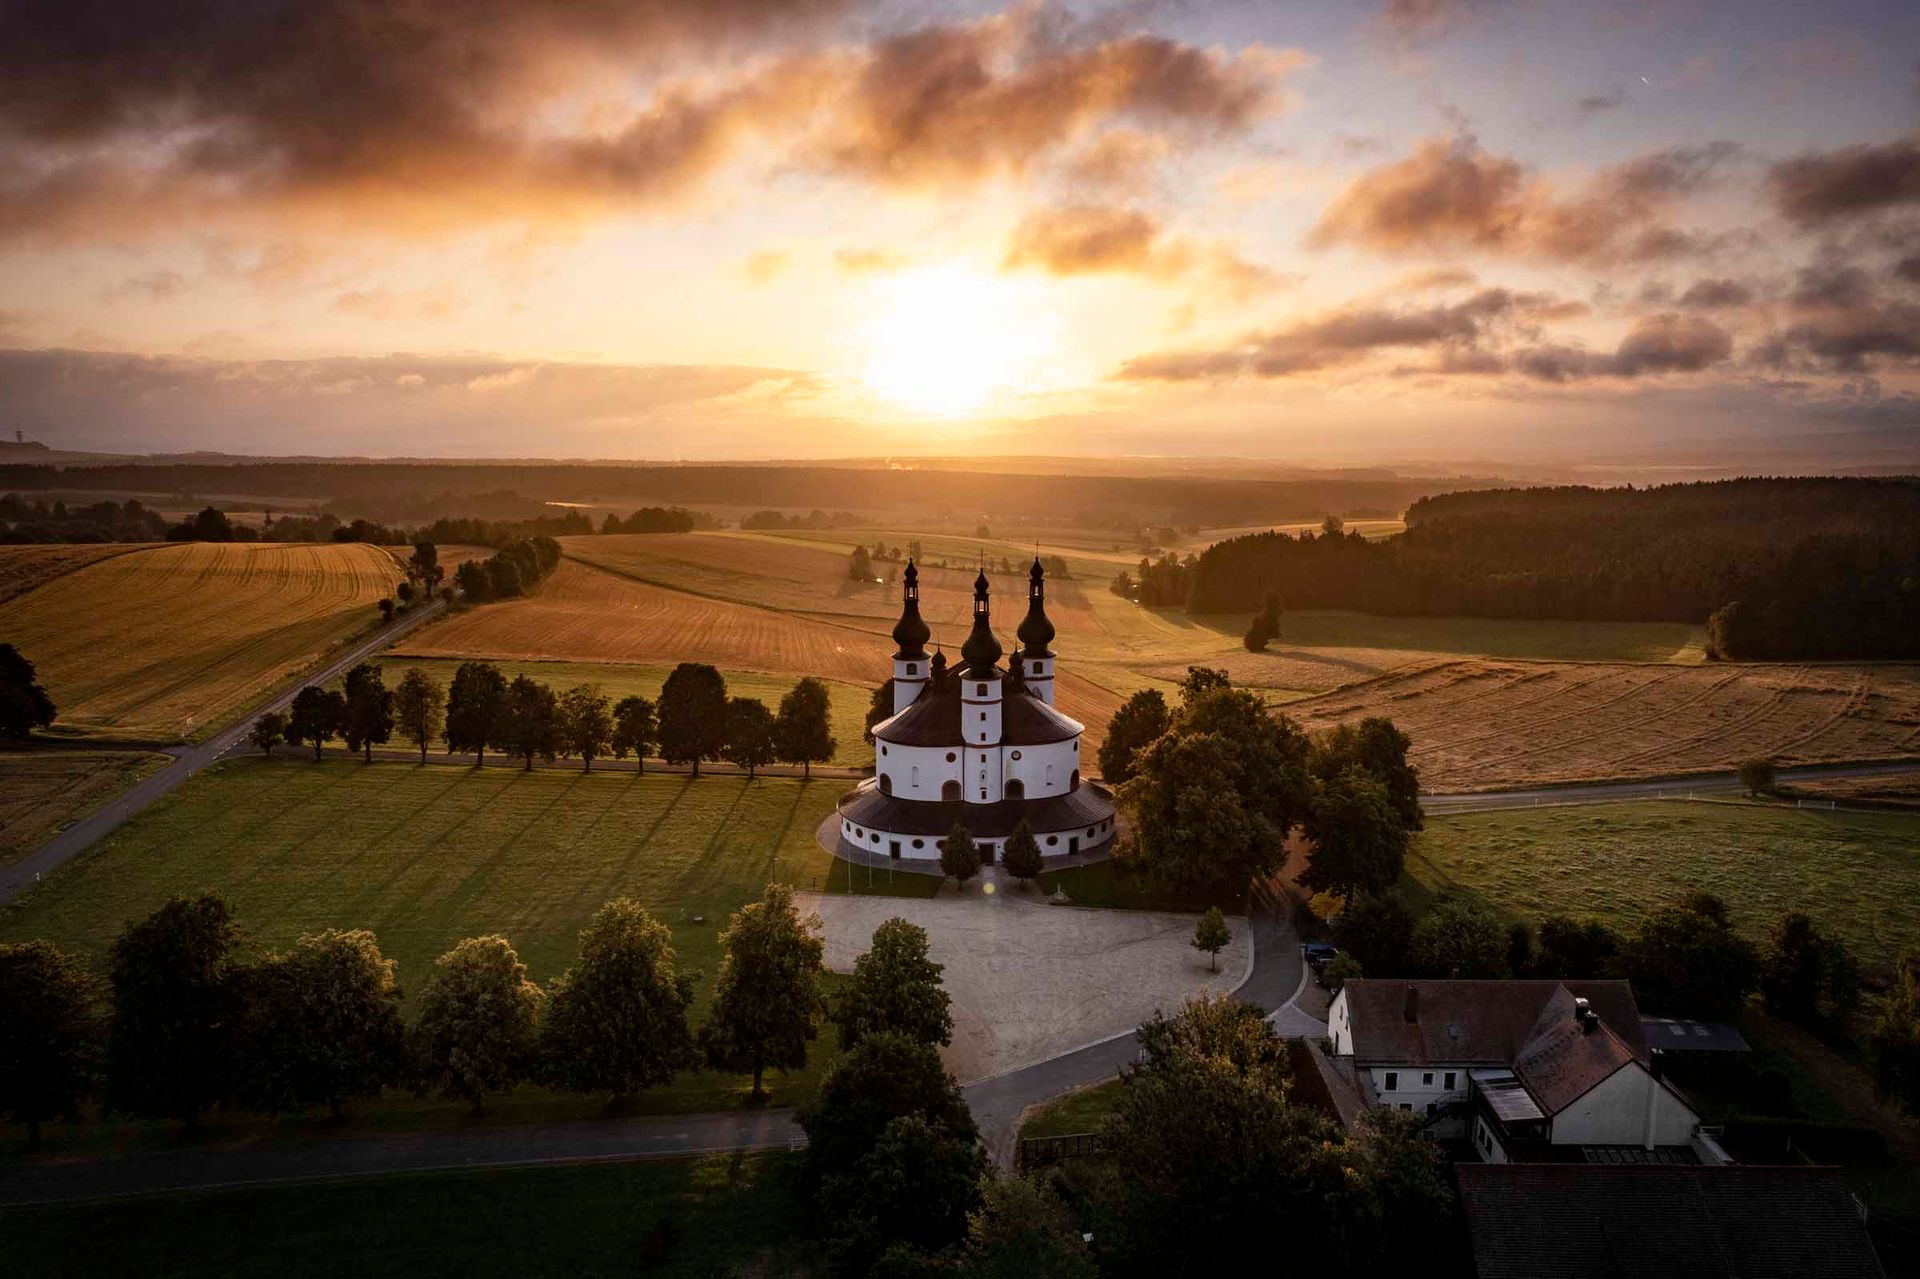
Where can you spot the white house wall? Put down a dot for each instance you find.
(1614, 1113)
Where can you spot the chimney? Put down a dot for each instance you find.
(1584, 1015)
(1413, 1004)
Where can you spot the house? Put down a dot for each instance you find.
(1520, 1070)
(1575, 1221)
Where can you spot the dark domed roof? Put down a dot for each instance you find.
(1036, 629)
(981, 650)
(935, 719)
(911, 632)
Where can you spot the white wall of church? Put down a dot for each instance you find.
(917, 772)
(1045, 769)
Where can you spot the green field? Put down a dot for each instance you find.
(42, 791)
(718, 1215)
(1857, 874)
(427, 856)
(1082, 1110)
(618, 680)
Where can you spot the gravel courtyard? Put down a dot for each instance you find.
(1031, 980)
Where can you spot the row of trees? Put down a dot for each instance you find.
(30, 520)
(193, 1021)
(516, 569)
(694, 719)
(1786, 568)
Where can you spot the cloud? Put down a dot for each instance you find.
(1823, 187)
(156, 286)
(1594, 103)
(1714, 295)
(1086, 239)
(764, 266)
(1451, 194)
(1415, 22)
(1839, 322)
(1119, 160)
(870, 261)
(438, 303)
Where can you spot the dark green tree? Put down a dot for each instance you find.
(1264, 628)
(425, 563)
(1212, 935)
(369, 710)
(693, 715)
(750, 741)
(888, 1076)
(475, 1032)
(1359, 845)
(616, 1021)
(1378, 749)
(386, 607)
(766, 1001)
(268, 732)
(317, 715)
(1807, 976)
(1688, 961)
(1572, 948)
(50, 1053)
(586, 723)
(895, 988)
(1200, 681)
(476, 586)
(420, 708)
(905, 1204)
(1021, 854)
(505, 578)
(1021, 1231)
(1893, 1043)
(1377, 930)
(1137, 723)
(24, 705)
(803, 732)
(1759, 777)
(634, 730)
(879, 707)
(475, 706)
(322, 1025)
(176, 1011)
(529, 722)
(860, 565)
(959, 856)
(1459, 938)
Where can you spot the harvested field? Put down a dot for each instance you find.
(1898, 790)
(1480, 725)
(24, 567)
(43, 790)
(173, 640)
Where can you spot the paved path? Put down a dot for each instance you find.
(188, 760)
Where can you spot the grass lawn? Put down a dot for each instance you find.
(723, 1214)
(617, 680)
(1082, 1110)
(1105, 884)
(427, 856)
(42, 791)
(1857, 874)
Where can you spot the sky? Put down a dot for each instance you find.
(1372, 233)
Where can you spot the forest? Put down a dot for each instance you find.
(1778, 568)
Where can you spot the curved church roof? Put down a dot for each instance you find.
(1036, 628)
(1086, 805)
(934, 719)
(911, 632)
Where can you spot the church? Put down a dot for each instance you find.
(975, 746)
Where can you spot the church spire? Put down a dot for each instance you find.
(981, 650)
(911, 632)
(1036, 629)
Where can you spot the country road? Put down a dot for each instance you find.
(188, 760)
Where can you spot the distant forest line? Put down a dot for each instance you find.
(1777, 568)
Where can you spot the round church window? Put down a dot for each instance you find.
(1016, 754)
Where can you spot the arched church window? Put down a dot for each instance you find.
(1073, 783)
(886, 784)
(914, 777)
(1049, 774)
(1016, 789)
(950, 791)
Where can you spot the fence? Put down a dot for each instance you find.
(1036, 1152)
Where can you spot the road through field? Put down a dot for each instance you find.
(188, 760)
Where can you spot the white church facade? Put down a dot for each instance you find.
(975, 746)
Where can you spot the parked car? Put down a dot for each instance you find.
(1318, 954)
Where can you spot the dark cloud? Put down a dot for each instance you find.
(1840, 322)
(1714, 295)
(1423, 21)
(1908, 268)
(1595, 103)
(1670, 343)
(1082, 239)
(1451, 194)
(1824, 187)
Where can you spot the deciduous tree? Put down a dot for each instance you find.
(1022, 1231)
(1573, 948)
(1021, 853)
(369, 710)
(24, 705)
(1359, 845)
(586, 723)
(879, 707)
(750, 734)
(1265, 626)
(959, 856)
(634, 729)
(1893, 1043)
(476, 705)
(268, 732)
(1212, 935)
(420, 708)
(1377, 930)
(1378, 749)
(176, 1006)
(693, 715)
(529, 722)
(1139, 721)
(475, 1031)
(322, 1024)
(895, 988)
(766, 1001)
(616, 1021)
(1759, 777)
(804, 729)
(1457, 938)
(1807, 976)
(316, 716)
(50, 1051)
(1688, 961)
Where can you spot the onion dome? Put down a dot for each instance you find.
(911, 632)
(1036, 630)
(981, 650)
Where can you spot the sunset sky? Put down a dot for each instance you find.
(1319, 232)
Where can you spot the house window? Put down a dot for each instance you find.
(983, 758)
(983, 717)
(1052, 840)
(983, 792)
(1393, 1081)
(982, 688)
(1449, 1081)
(1426, 1080)
(1432, 1106)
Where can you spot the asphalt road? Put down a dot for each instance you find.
(1727, 783)
(188, 760)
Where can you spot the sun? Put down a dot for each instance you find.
(945, 341)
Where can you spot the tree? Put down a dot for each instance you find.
(904, 1203)
(959, 856)
(1359, 845)
(1021, 854)
(1137, 723)
(1377, 930)
(895, 988)
(476, 704)
(879, 707)
(586, 723)
(474, 583)
(1212, 935)
(368, 721)
(1730, 632)
(1342, 969)
(1216, 794)
(269, 731)
(1200, 681)
(50, 1052)
(1686, 960)
(860, 565)
(1807, 976)
(386, 607)
(803, 731)
(1758, 776)
(1569, 948)
(420, 708)
(425, 563)
(1378, 749)
(528, 723)
(766, 1001)
(322, 1024)
(634, 730)
(1021, 1230)
(693, 715)
(505, 580)
(1457, 938)
(750, 737)
(1264, 628)
(1894, 1041)
(24, 705)
(176, 1010)
(616, 1021)
(475, 1031)
(316, 715)
(404, 593)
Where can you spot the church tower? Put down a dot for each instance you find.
(1036, 656)
(911, 634)
(980, 703)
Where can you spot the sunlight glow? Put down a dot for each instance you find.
(946, 340)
